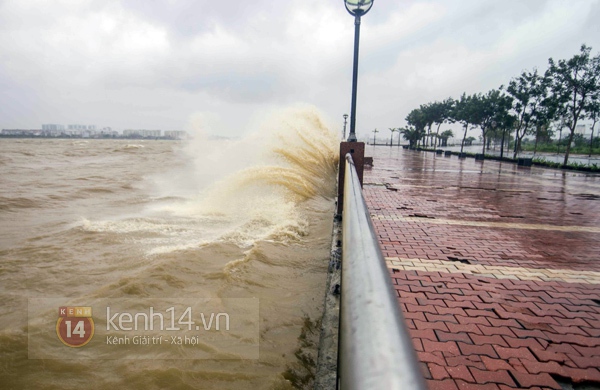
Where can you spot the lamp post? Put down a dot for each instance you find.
(374, 134)
(356, 8)
(345, 121)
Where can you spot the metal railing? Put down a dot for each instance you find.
(376, 351)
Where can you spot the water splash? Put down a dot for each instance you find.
(240, 191)
(295, 150)
(299, 163)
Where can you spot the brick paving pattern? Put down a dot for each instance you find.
(495, 266)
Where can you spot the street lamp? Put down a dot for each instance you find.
(356, 8)
(345, 119)
(374, 134)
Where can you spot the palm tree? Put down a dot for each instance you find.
(444, 137)
(469, 141)
(393, 130)
(412, 135)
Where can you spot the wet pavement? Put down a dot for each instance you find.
(496, 268)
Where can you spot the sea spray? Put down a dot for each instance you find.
(238, 191)
(294, 150)
(294, 159)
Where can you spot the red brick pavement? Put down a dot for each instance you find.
(496, 268)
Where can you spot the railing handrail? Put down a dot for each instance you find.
(376, 351)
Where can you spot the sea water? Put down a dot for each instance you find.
(189, 220)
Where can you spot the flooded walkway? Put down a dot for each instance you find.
(496, 268)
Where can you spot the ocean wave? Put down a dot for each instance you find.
(5, 160)
(15, 203)
(129, 148)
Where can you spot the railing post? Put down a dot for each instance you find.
(357, 151)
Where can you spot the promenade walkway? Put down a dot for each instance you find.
(496, 267)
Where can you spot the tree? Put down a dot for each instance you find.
(490, 110)
(465, 112)
(566, 93)
(412, 135)
(469, 141)
(592, 110)
(417, 119)
(559, 126)
(444, 137)
(543, 134)
(575, 83)
(529, 91)
(426, 112)
(393, 130)
(506, 122)
(439, 113)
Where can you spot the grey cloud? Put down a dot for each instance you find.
(119, 62)
(187, 18)
(237, 88)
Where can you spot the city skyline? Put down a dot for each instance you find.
(90, 131)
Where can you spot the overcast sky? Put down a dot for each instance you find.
(223, 65)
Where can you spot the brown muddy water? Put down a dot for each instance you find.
(106, 220)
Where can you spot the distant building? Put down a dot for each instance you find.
(52, 127)
(176, 134)
(89, 134)
(107, 132)
(22, 132)
(90, 131)
(141, 133)
(81, 127)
